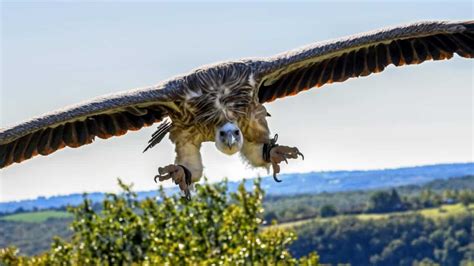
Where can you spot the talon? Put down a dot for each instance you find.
(161, 177)
(276, 170)
(161, 170)
(279, 154)
(275, 178)
(187, 195)
(300, 154)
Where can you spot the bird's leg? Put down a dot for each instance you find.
(259, 150)
(275, 154)
(188, 165)
(179, 174)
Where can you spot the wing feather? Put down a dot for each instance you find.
(361, 55)
(78, 125)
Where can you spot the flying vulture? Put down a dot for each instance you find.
(224, 102)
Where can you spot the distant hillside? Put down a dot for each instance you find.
(296, 207)
(307, 183)
(441, 212)
(314, 182)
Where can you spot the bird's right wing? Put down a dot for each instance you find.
(78, 125)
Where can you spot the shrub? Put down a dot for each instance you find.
(215, 227)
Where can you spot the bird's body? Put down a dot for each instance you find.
(212, 96)
(229, 96)
(223, 102)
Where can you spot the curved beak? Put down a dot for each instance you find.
(230, 140)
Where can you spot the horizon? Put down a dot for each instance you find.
(248, 178)
(57, 54)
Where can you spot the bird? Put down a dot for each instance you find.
(224, 102)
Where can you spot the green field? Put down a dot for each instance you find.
(443, 211)
(36, 217)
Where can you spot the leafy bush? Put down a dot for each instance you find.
(215, 227)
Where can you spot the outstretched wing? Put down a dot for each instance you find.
(78, 125)
(361, 55)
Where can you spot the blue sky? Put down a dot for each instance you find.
(60, 53)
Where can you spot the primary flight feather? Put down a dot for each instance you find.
(224, 102)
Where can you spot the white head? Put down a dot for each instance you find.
(229, 138)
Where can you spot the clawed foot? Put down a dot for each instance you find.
(180, 176)
(279, 154)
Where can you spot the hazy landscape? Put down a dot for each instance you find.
(305, 183)
(403, 216)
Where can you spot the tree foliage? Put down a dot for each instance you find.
(216, 227)
(328, 210)
(396, 240)
(409, 197)
(33, 237)
(384, 201)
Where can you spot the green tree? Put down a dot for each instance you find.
(408, 239)
(429, 198)
(215, 227)
(328, 211)
(384, 201)
(466, 197)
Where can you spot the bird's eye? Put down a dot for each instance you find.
(221, 133)
(236, 132)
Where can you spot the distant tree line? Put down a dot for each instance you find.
(384, 201)
(434, 194)
(398, 240)
(34, 209)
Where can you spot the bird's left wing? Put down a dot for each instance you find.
(78, 125)
(360, 55)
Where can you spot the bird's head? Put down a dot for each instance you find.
(229, 138)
